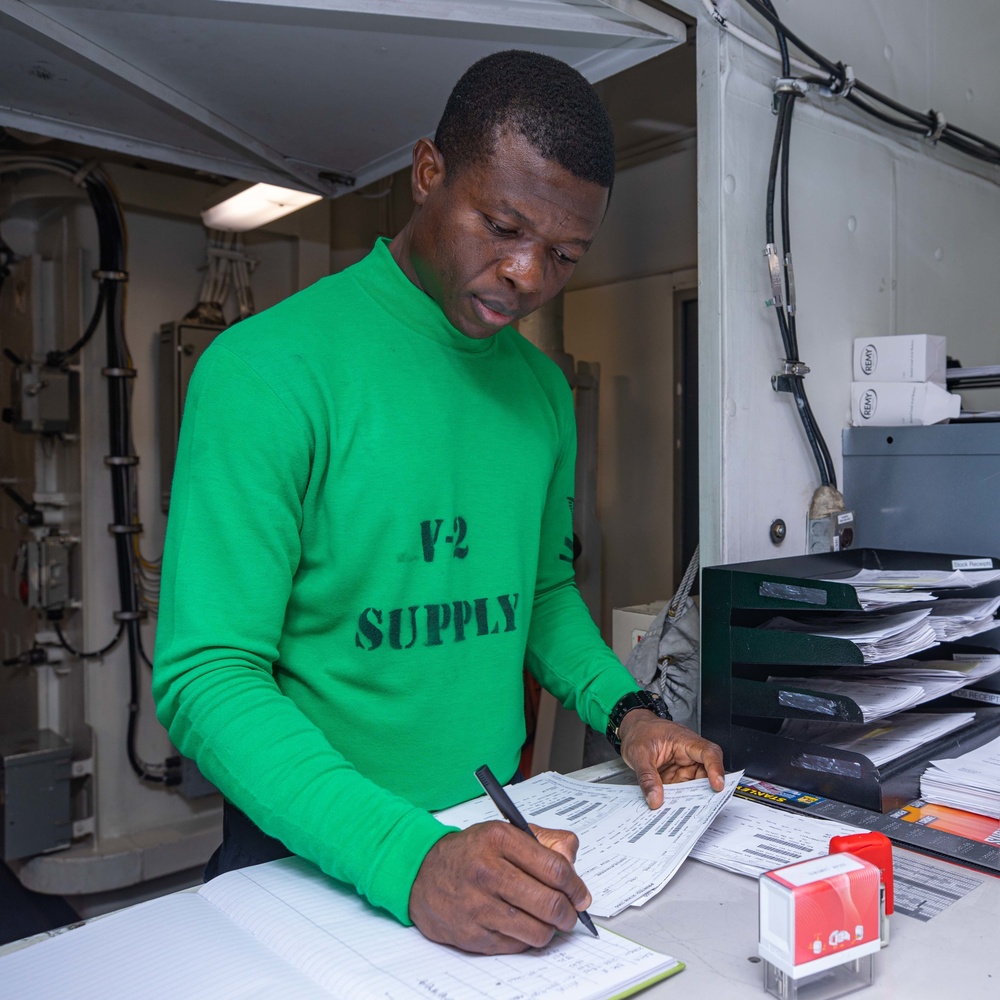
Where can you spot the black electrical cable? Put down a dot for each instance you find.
(923, 123)
(780, 158)
(771, 16)
(88, 656)
(111, 305)
(888, 119)
(57, 358)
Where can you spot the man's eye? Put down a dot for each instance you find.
(499, 229)
(565, 258)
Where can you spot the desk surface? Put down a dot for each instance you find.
(708, 919)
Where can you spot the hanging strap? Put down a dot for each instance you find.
(680, 598)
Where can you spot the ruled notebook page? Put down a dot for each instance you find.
(179, 946)
(357, 952)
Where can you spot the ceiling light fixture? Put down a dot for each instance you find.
(255, 206)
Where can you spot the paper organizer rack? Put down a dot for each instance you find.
(742, 712)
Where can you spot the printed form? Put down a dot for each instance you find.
(627, 853)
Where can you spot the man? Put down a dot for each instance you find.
(370, 535)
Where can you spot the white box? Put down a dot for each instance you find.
(628, 626)
(893, 404)
(818, 914)
(919, 358)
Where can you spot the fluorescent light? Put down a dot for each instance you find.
(256, 206)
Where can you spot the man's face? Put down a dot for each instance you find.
(502, 237)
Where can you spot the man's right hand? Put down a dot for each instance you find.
(493, 890)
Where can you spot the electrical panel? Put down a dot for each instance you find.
(44, 400)
(35, 770)
(181, 345)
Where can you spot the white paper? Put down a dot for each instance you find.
(880, 741)
(970, 782)
(628, 853)
(876, 697)
(878, 637)
(284, 930)
(749, 838)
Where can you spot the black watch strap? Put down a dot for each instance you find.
(634, 699)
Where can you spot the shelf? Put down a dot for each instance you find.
(741, 711)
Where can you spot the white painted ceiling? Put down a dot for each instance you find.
(296, 92)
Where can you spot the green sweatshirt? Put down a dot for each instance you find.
(369, 535)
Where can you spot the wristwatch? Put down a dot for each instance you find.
(634, 699)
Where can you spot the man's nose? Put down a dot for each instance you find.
(524, 268)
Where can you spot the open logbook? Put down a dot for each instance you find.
(285, 930)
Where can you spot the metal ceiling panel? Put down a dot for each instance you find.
(297, 92)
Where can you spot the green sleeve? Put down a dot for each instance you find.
(232, 550)
(565, 650)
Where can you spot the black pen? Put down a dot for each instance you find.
(510, 812)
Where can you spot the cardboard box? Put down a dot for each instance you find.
(920, 358)
(818, 914)
(628, 626)
(894, 404)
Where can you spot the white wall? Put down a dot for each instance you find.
(890, 236)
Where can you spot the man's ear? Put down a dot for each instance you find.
(427, 171)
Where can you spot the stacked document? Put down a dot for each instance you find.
(749, 838)
(958, 618)
(875, 697)
(628, 853)
(881, 741)
(879, 637)
(878, 588)
(893, 687)
(970, 782)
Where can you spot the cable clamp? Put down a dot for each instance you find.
(790, 377)
(119, 372)
(125, 529)
(791, 85)
(794, 368)
(774, 267)
(841, 83)
(939, 125)
(80, 177)
(129, 616)
(110, 275)
(121, 459)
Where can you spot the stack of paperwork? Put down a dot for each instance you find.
(628, 853)
(879, 637)
(896, 687)
(881, 741)
(877, 588)
(958, 618)
(970, 782)
(885, 637)
(749, 838)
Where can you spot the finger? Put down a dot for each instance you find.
(709, 755)
(648, 776)
(531, 912)
(564, 841)
(674, 774)
(548, 867)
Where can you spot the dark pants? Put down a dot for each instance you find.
(245, 844)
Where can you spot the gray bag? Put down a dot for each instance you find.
(667, 661)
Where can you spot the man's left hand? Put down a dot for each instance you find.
(662, 752)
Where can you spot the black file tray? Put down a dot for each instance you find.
(742, 713)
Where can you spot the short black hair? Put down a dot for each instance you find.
(547, 101)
